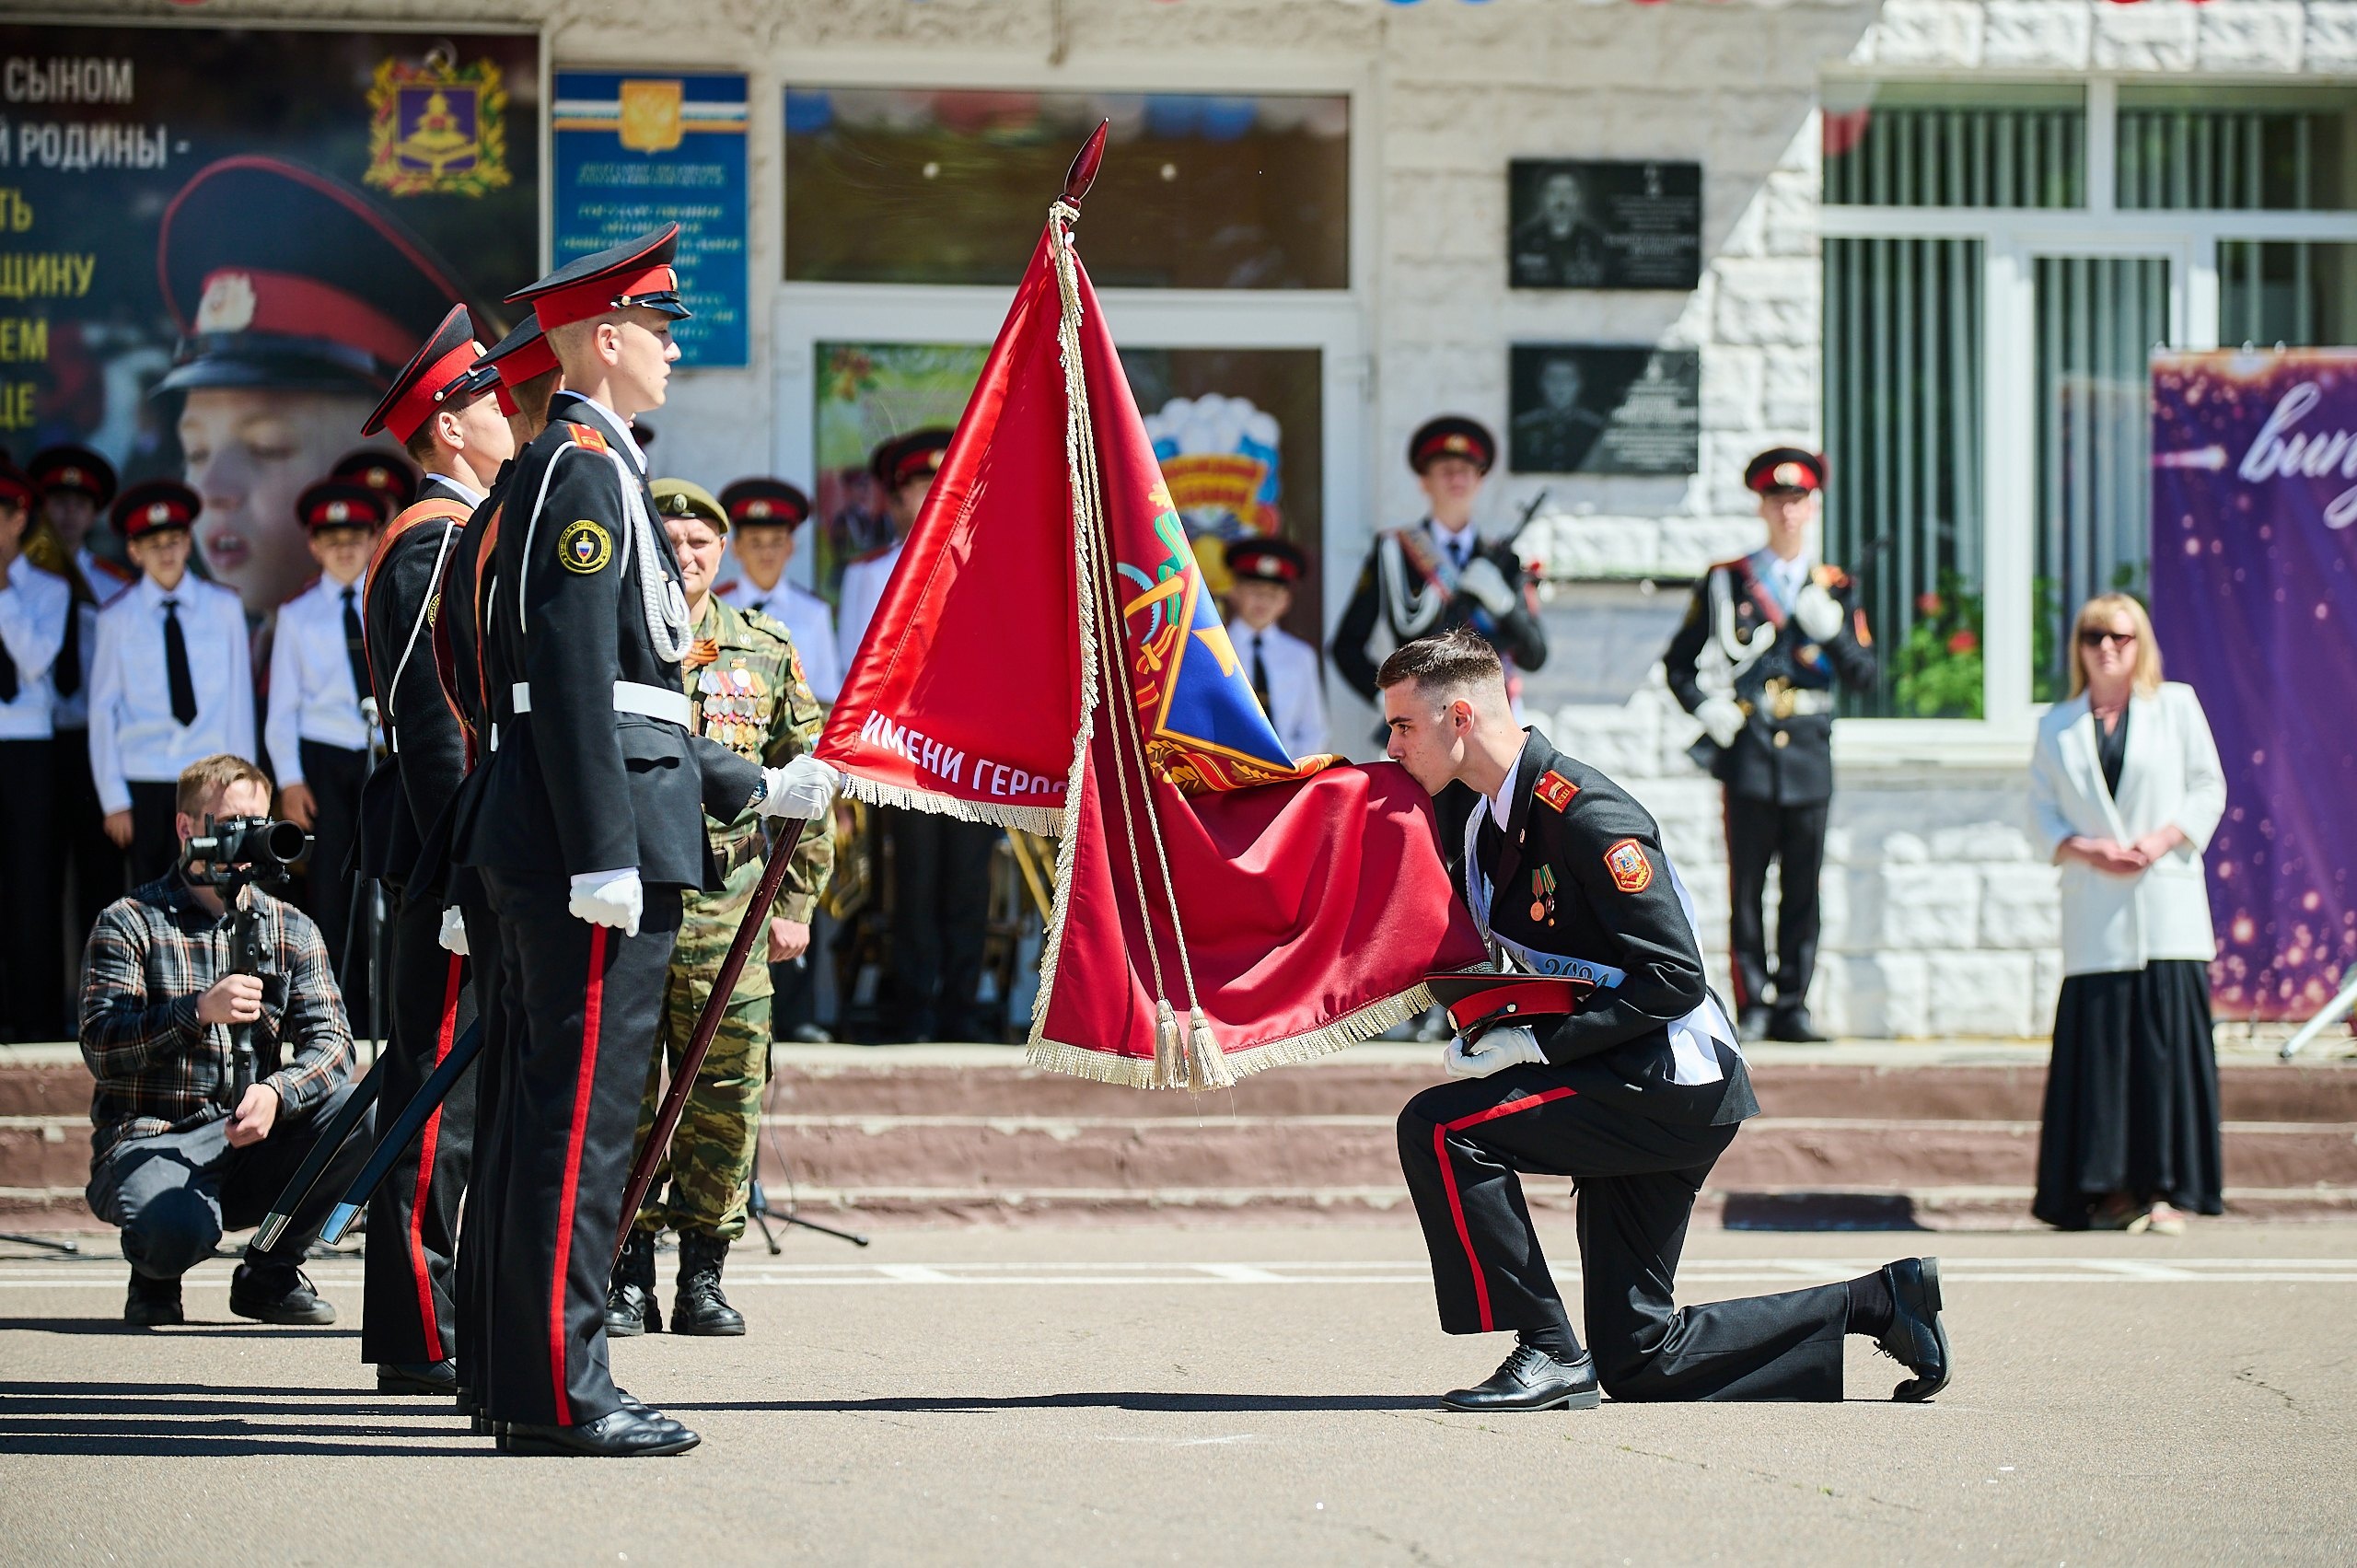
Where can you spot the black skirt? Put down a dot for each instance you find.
(2131, 1094)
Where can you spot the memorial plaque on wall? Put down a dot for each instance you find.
(1580, 224)
(1598, 408)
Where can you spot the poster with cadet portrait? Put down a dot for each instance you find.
(217, 242)
(1574, 223)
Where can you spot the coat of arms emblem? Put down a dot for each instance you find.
(436, 129)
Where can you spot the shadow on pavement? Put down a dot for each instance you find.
(222, 1331)
(109, 1420)
(951, 1405)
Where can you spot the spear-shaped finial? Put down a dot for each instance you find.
(1083, 173)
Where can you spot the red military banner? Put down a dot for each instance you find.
(1047, 657)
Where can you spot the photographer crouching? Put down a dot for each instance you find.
(213, 1083)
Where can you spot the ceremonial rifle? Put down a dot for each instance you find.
(315, 1164)
(402, 1133)
(724, 985)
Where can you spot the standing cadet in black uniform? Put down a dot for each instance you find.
(437, 410)
(1634, 1095)
(1766, 639)
(587, 828)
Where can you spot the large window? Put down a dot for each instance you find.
(2000, 264)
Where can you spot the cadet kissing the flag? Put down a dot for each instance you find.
(1220, 907)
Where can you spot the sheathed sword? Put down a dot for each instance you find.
(403, 1132)
(724, 985)
(315, 1164)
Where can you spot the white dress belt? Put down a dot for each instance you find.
(630, 697)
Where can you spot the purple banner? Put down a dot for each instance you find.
(2255, 601)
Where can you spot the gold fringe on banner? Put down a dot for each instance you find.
(1044, 821)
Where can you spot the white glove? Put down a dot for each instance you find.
(804, 788)
(1721, 720)
(1486, 585)
(1817, 613)
(1496, 1050)
(609, 897)
(453, 935)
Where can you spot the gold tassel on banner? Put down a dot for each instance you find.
(1207, 1065)
(1170, 1055)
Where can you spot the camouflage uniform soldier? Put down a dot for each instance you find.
(747, 684)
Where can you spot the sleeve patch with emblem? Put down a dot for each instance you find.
(588, 436)
(1555, 789)
(1632, 872)
(584, 546)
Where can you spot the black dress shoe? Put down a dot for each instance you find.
(1531, 1380)
(618, 1435)
(153, 1304)
(1753, 1026)
(417, 1378)
(276, 1292)
(1791, 1025)
(1916, 1339)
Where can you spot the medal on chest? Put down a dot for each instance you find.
(1542, 896)
(734, 706)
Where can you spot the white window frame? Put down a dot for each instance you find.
(2011, 240)
(1333, 322)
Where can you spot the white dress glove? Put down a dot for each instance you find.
(1721, 720)
(453, 934)
(1482, 582)
(1496, 1050)
(609, 897)
(1818, 613)
(804, 788)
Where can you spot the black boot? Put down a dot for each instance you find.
(700, 1308)
(153, 1303)
(630, 1294)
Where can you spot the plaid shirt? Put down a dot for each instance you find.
(158, 1070)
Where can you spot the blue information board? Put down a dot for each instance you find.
(636, 150)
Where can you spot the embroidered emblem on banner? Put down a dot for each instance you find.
(1632, 872)
(436, 130)
(1555, 789)
(585, 547)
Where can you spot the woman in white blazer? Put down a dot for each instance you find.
(2125, 790)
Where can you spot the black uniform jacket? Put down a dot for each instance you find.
(1517, 634)
(1781, 755)
(575, 784)
(1579, 872)
(410, 790)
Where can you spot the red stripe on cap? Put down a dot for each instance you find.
(1448, 1184)
(531, 358)
(414, 407)
(595, 297)
(254, 299)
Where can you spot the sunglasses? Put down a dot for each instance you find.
(2091, 638)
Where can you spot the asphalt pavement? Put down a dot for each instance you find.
(1224, 1394)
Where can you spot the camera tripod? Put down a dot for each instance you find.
(72, 1250)
(758, 1207)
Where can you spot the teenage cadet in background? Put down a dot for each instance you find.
(388, 473)
(1282, 668)
(744, 676)
(1767, 639)
(172, 681)
(316, 733)
(35, 609)
(763, 515)
(77, 484)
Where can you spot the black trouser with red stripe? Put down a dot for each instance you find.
(1462, 1144)
(1793, 836)
(583, 1014)
(407, 1295)
(494, 979)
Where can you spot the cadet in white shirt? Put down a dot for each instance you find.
(1282, 668)
(173, 680)
(317, 731)
(903, 468)
(34, 605)
(762, 516)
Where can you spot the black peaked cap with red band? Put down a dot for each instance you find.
(281, 277)
(155, 505)
(76, 470)
(514, 360)
(1267, 560)
(914, 456)
(636, 272)
(388, 473)
(1785, 468)
(342, 504)
(435, 379)
(765, 501)
(1452, 435)
(16, 487)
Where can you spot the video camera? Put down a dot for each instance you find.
(237, 850)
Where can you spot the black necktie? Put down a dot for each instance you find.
(176, 671)
(355, 648)
(1259, 674)
(68, 671)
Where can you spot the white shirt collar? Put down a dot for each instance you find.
(333, 590)
(467, 493)
(155, 593)
(1501, 805)
(1457, 542)
(616, 426)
